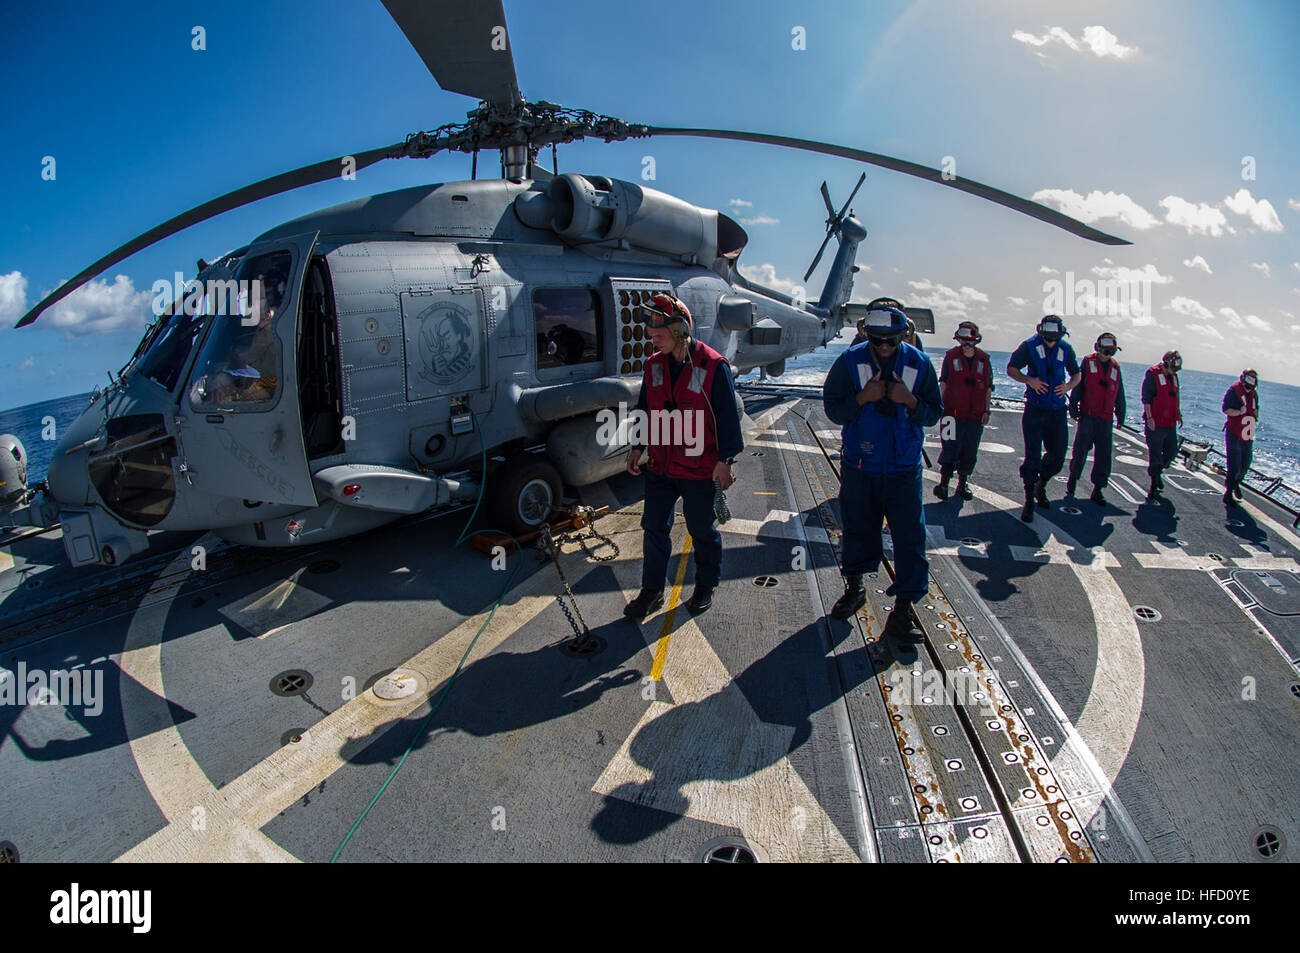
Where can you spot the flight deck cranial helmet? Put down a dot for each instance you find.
(1249, 378)
(968, 332)
(885, 322)
(1106, 344)
(1051, 329)
(1172, 361)
(664, 310)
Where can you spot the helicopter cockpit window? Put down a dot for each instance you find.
(171, 346)
(238, 366)
(567, 321)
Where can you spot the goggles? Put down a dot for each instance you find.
(1249, 380)
(1051, 329)
(662, 311)
(1174, 362)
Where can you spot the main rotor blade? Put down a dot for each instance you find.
(284, 182)
(464, 44)
(1041, 212)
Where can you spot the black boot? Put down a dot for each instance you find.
(646, 602)
(901, 625)
(963, 490)
(1072, 485)
(1040, 495)
(1097, 497)
(1236, 489)
(700, 599)
(1160, 482)
(1027, 514)
(854, 598)
(1228, 499)
(1154, 492)
(941, 491)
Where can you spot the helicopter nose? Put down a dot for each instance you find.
(68, 475)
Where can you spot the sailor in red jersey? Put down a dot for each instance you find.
(683, 377)
(1241, 404)
(965, 382)
(1098, 398)
(1162, 411)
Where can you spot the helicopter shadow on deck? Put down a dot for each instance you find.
(486, 699)
(98, 731)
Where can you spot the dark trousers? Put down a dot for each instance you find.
(865, 500)
(1162, 449)
(959, 453)
(661, 494)
(1046, 436)
(1095, 434)
(1239, 456)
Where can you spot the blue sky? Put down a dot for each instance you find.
(1136, 116)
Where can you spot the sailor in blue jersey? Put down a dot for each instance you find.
(883, 392)
(1053, 373)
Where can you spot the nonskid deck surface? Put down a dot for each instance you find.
(1043, 719)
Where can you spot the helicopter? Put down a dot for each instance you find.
(416, 349)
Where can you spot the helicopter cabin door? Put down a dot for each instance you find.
(240, 423)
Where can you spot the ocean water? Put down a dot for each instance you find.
(30, 424)
(1277, 441)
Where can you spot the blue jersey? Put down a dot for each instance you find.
(1054, 366)
(882, 437)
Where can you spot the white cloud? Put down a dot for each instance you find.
(1296, 265)
(876, 285)
(1205, 330)
(1189, 307)
(13, 296)
(1098, 40)
(1259, 211)
(1262, 266)
(1239, 322)
(1018, 302)
(1044, 270)
(1147, 272)
(1055, 34)
(1198, 262)
(1294, 203)
(765, 275)
(98, 307)
(1097, 205)
(1198, 219)
(28, 364)
(741, 202)
(1103, 43)
(760, 220)
(945, 301)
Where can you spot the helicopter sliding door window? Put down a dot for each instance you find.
(568, 326)
(320, 389)
(238, 367)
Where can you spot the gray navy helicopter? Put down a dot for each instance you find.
(355, 365)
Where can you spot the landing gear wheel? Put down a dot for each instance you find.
(525, 493)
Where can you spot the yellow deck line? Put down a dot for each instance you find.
(665, 630)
